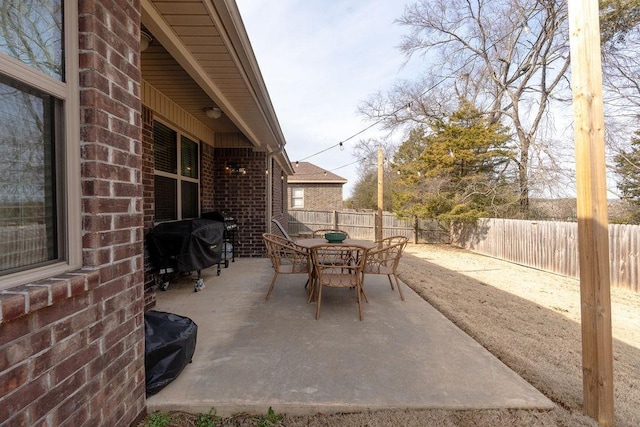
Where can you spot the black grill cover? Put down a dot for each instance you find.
(169, 344)
(187, 245)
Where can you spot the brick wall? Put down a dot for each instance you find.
(148, 185)
(324, 197)
(243, 196)
(72, 347)
(206, 178)
(279, 201)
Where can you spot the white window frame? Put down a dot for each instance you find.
(69, 224)
(295, 197)
(178, 175)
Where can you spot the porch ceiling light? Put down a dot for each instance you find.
(213, 113)
(145, 40)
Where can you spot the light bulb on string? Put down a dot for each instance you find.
(341, 147)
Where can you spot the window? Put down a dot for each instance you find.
(176, 192)
(297, 198)
(39, 140)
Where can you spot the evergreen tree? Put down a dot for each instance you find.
(628, 169)
(458, 170)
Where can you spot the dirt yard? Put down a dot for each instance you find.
(530, 320)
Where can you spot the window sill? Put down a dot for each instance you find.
(25, 299)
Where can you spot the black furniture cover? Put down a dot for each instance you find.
(169, 344)
(187, 245)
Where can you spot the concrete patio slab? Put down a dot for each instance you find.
(253, 354)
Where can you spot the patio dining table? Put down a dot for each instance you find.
(308, 244)
(319, 241)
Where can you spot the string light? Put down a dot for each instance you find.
(341, 143)
(406, 107)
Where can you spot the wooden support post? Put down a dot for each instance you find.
(380, 194)
(593, 236)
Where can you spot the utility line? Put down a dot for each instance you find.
(352, 163)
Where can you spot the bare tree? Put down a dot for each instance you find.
(509, 56)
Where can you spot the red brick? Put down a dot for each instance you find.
(97, 222)
(39, 296)
(19, 420)
(12, 306)
(21, 349)
(59, 290)
(79, 403)
(12, 379)
(14, 329)
(119, 366)
(59, 311)
(21, 398)
(75, 362)
(118, 334)
(46, 360)
(127, 221)
(96, 257)
(76, 322)
(76, 418)
(56, 395)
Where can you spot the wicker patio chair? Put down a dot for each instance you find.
(286, 258)
(384, 259)
(330, 270)
(388, 241)
(281, 229)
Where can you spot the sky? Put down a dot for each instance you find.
(320, 60)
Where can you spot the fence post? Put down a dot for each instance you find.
(415, 229)
(335, 220)
(375, 225)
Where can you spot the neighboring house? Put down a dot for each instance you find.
(312, 187)
(104, 131)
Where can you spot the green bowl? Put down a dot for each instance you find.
(335, 237)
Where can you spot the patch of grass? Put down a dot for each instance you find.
(208, 420)
(158, 419)
(271, 419)
(184, 419)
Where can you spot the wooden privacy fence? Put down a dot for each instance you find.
(362, 225)
(552, 246)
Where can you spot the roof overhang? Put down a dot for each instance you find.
(208, 40)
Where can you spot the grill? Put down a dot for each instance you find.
(184, 246)
(229, 238)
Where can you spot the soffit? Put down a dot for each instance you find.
(200, 57)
